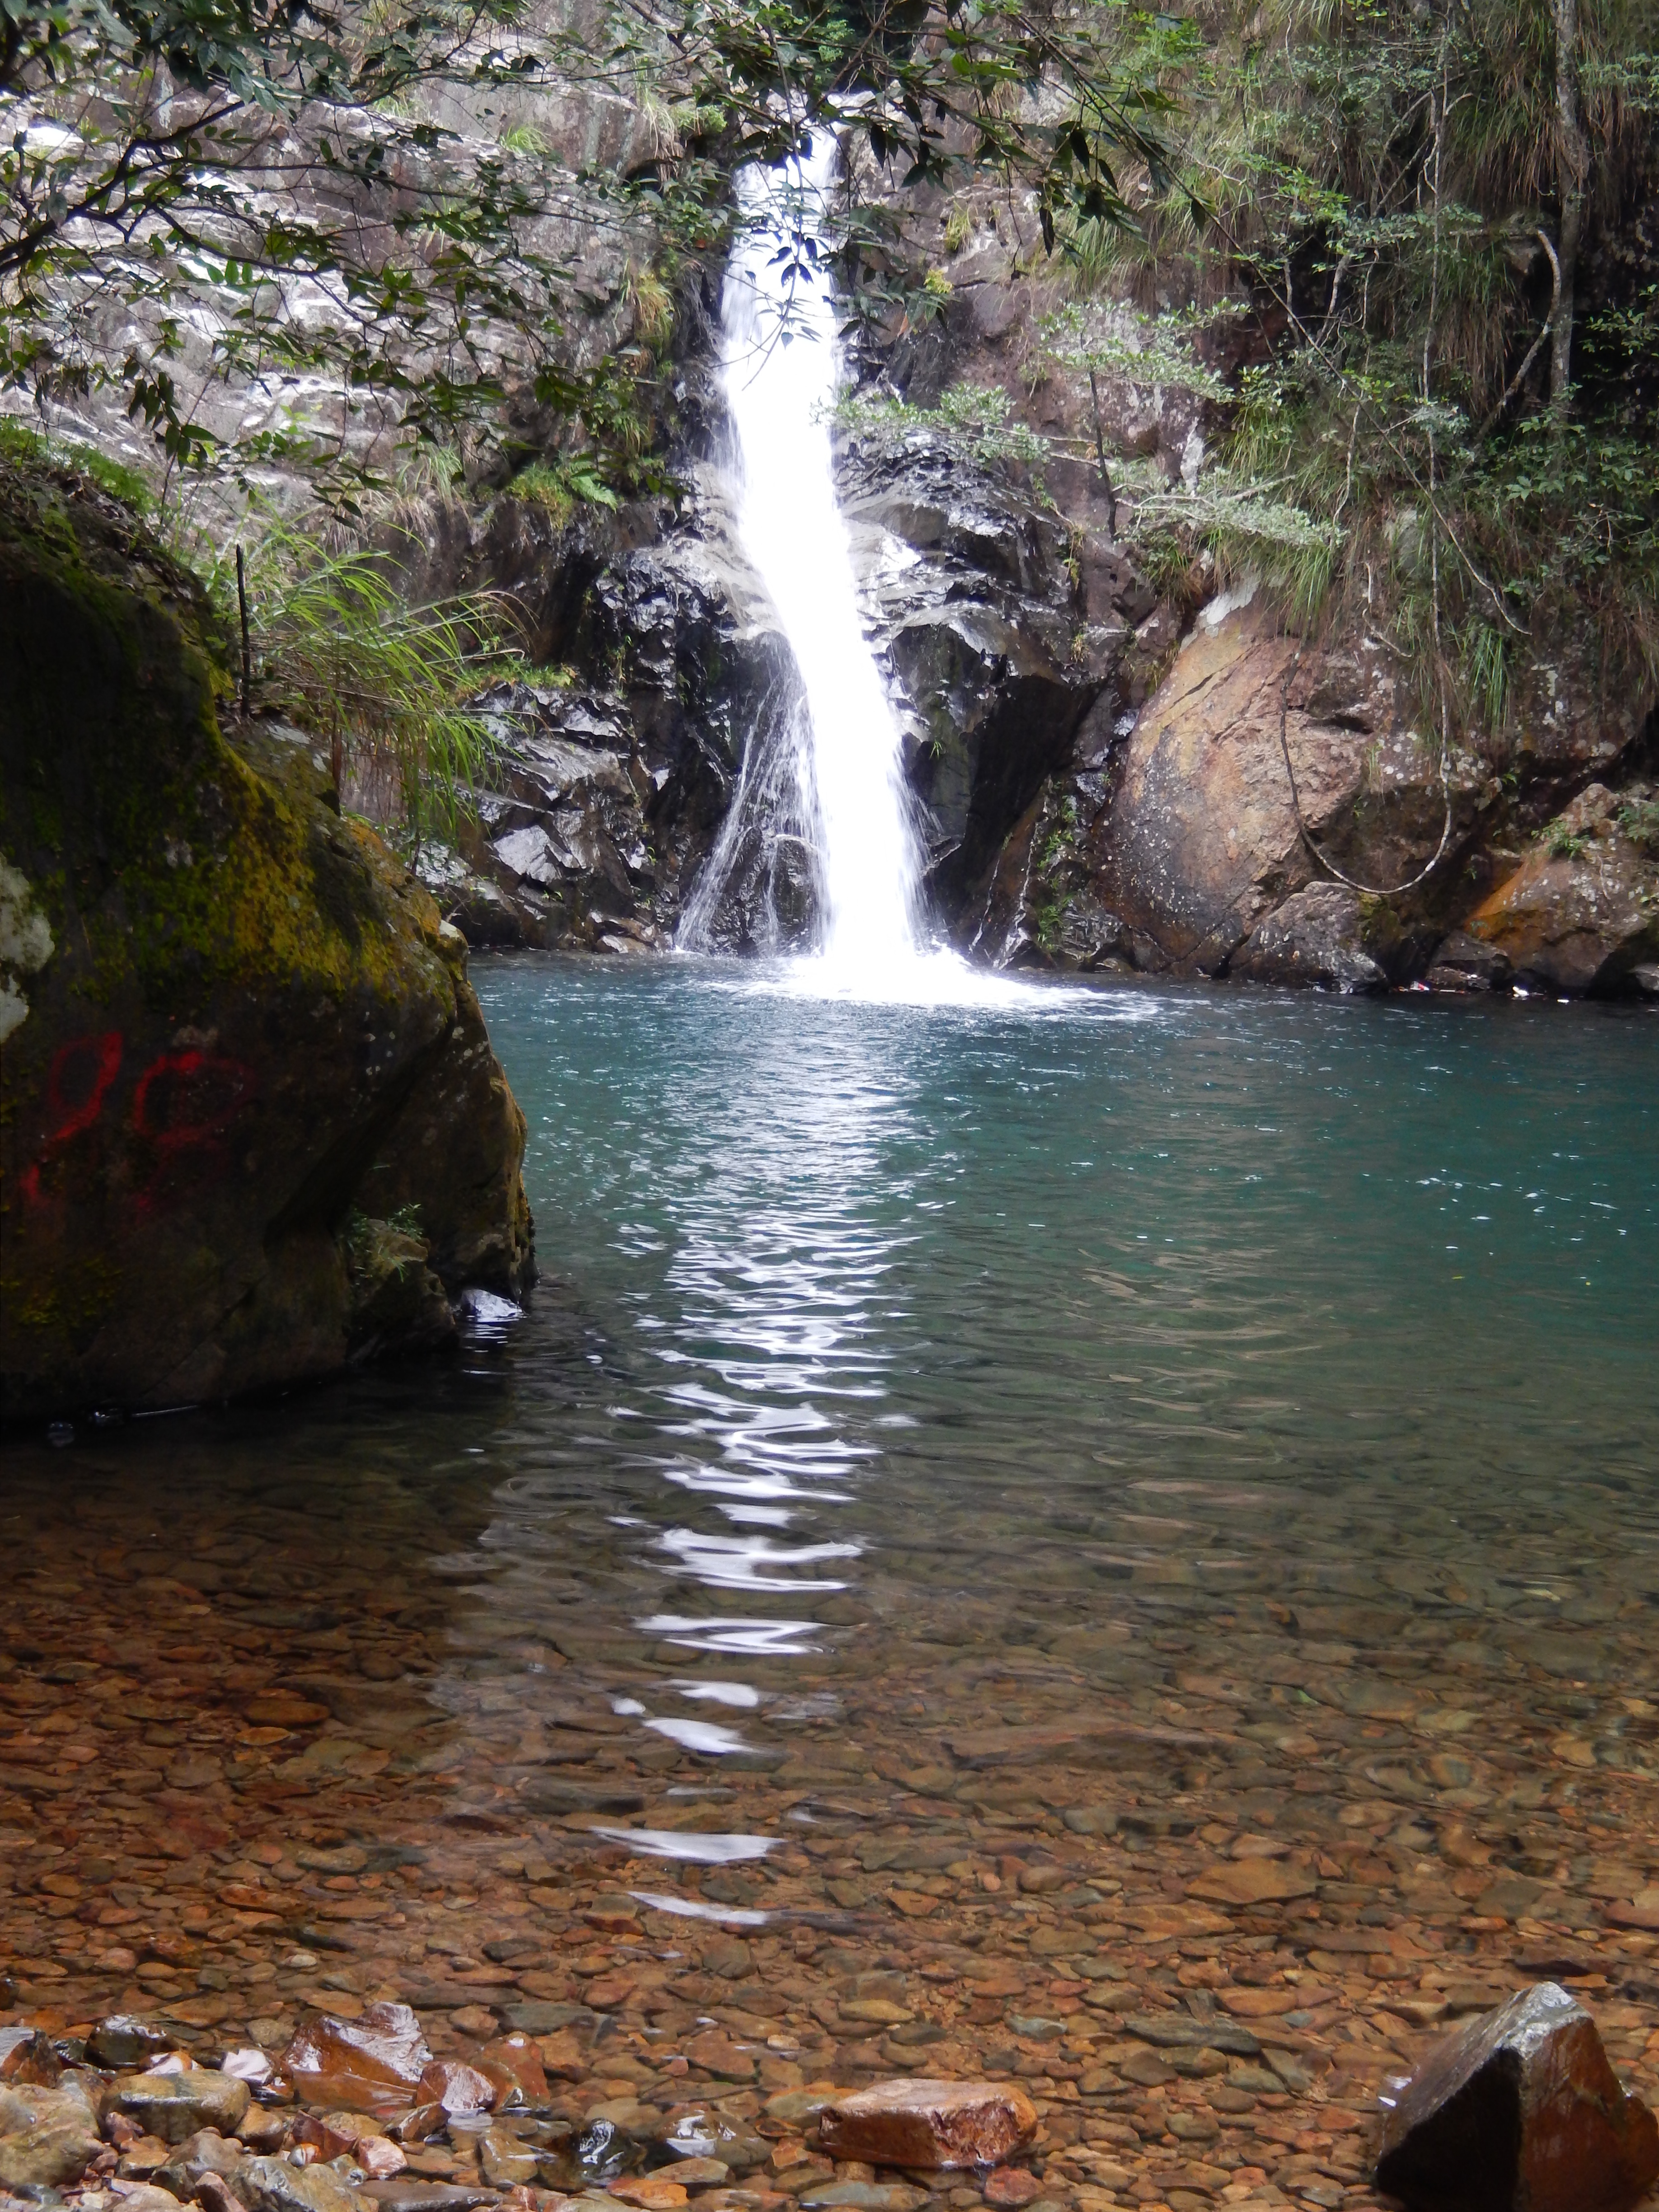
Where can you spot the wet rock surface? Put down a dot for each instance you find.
(244, 1041)
(987, 641)
(615, 785)
(1519, 2112)
(929, 2123)
(1314, 937)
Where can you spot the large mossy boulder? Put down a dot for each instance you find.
(251, 1125)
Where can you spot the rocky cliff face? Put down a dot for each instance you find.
(251, 1126)
(1102, 774)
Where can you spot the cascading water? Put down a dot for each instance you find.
(833, 762)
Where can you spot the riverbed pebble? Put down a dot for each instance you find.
(1352, 1820)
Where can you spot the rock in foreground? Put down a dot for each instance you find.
(250, 1126)
(929, 2123)
(1519, 2112)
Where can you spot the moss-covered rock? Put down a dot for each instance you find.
(236, 1027)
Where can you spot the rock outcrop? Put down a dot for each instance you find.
(988, 641)
(251, 1126)
(1580, 915)
(1519, 2111)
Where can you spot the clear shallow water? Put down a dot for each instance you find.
(1040, 1426)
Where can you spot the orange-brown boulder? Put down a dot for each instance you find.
(370, 2064)
(929, 2123)
(1519, 2112)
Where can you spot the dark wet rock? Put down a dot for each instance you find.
(123, 2039)
(204, 2152)
(595, 2155)
(174, 2106)
(615, 790)
(1519, 2112)
(1462, 962)
(1313, 937)
(222, 1064)
(929, 2124)
(370, 2064)
(1173, 2031)
(986, 634)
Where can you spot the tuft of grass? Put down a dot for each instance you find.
(24, 445)
(561, 486)
(523, 138)
(653, 305)
(382, 683)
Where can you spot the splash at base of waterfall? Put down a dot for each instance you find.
(822, 793)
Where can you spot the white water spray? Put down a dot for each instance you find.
(779, 371)
(830, 773)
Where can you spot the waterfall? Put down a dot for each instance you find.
(829, 775)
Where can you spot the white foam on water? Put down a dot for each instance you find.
(696, 1847)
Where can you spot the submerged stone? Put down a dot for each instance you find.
(1519, 2112)
(371, 2064)
(175, 2106)
(929, 2123)
(271, 2184)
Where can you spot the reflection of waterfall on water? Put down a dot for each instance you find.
(821, 791)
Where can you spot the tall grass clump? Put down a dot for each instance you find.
(384, 684)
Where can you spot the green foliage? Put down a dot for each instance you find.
(971, 420)
(1383, 188)
(1564, 845)
(561, 487)
(24, 446)
(383, 684)
(1145, 352)
(375, 1248)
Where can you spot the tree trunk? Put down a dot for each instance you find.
(1572, 170)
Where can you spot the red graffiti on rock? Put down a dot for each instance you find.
(183, 1105)
(181, 1110)
(77, 1083)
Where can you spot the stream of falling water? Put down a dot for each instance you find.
(780, 372)
(830, 774)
